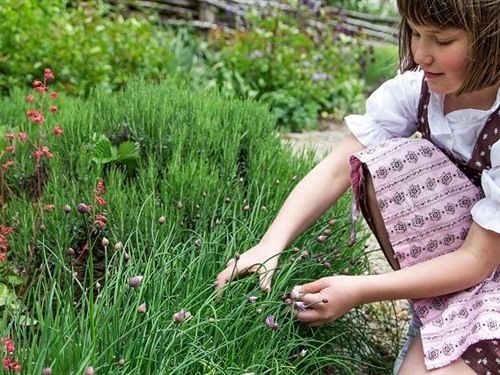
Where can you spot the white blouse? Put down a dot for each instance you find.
(391, 111)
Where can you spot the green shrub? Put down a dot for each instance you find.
(295, 67)
(381, 65)
(214, 169)
(88, 44)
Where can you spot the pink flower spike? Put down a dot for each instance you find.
(54, 95)
(30, 98)
(48, 74)
(22, 136)
(41, 88)
(57, 131)
(37, 154)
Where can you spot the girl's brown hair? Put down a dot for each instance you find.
(479, 18)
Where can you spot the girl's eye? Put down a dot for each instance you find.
(444, 42)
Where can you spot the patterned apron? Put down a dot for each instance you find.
(425, 201)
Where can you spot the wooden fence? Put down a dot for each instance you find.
(211, 14)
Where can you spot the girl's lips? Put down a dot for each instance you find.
(430, 75)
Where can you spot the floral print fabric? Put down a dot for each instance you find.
(425, 202)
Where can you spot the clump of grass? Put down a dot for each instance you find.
(215, 173)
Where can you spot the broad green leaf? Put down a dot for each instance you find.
(127, 150)
(103, 151)
(15, 280)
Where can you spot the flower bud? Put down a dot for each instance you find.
(89, 371)
(121, 362)
(118, 246)
(271, 323)
(67, 208)
(142, 308)
(299, 305)
(252, 299)
(161, 220)
(135, 281)
(46, 371)
(126, 257)
(181, 316)
(83, 208)
(321, 238)
(197, 242)
(105, 242)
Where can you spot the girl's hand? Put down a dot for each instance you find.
(328, 299)
(258, 260)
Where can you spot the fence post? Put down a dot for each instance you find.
(206, 12)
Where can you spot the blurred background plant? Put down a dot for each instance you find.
(305, 64)
(300, 68)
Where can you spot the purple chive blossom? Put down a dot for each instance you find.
(271, 323)
(295, 293)
(181, 316)
(135, 281)
(299, 305)
(83, 208)
(252, 299)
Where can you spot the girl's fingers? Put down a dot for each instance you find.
(312, 299)
(265, 278)
(315, 286)
(309, 316)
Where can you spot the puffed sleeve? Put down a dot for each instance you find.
(486, 212)
(391, 111)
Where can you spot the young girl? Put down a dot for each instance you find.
(433, 202)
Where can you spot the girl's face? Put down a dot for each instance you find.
(443, 56)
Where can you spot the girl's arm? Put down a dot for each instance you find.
(312, 196)
(467, 266)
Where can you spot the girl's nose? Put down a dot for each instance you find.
(422, 55)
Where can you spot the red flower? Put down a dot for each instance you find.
(22, 136)
(9, 136)
(48, 207)
(10, 149)
(53, 108)
(54, 95)
(7, 164)
(101, 201)
(100, 187)
(30, 98)
(3, 257)
(41, 88)
(48, 74)
(37, 83)
(35, 117)
(38, 154)
(57, 131)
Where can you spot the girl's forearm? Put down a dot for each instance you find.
(467, 266)
(315, 193)
(439, 276)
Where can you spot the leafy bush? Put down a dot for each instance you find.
(381, 66)
(298, 67)
(88, 44)
(208, 182)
